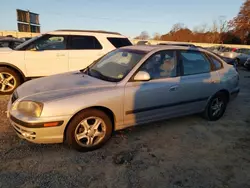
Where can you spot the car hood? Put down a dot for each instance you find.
(4, 50)
(60, 86)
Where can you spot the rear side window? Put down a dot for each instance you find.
(194, 62)
(85, 43)
(119, 42)
(216, 63)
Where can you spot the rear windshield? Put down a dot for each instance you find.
(119, 42)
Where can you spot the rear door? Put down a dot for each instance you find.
(83, 50)
(198, 81)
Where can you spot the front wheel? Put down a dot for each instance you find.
(9, 81)
(216, 107)
(89, 130)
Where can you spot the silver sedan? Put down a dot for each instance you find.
(128, 86)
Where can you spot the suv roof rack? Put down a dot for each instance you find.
(90, 31)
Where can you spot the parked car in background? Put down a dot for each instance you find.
(128, 86)
(247, 64)
(9, 42)
(55, 52)
(240, 54)
(177, 44)
(143, 42)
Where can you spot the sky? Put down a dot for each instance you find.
(129, 17)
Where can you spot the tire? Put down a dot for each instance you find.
(237, 61)
(209, 111)
(9, 80)
(75, 129)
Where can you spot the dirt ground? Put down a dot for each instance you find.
(182, 152)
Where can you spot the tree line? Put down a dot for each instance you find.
(235, 31)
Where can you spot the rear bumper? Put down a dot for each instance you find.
(234, 93)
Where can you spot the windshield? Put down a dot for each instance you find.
(115, 65)
(19, 47)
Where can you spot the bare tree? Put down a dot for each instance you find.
(176, 27)
(143, 36)
(200, 28)
(156, 36)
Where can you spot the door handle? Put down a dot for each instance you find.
(60, 55)
(173, 88)
(214, 81)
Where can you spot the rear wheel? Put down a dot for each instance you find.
(89, 130)
(216, 107)
(9, 80)
(237, 61)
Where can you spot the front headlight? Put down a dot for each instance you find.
(29, 108)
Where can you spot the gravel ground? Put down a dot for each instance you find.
(182, 152)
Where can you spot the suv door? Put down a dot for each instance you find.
(47, 55)
(83, 50)
(198, 80)
(155, 99)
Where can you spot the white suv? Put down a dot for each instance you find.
(54, 52)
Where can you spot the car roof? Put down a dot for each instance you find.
(86, 32)
(149, 48)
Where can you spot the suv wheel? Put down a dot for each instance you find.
(216, 107)
(9, 80)
(89, 130)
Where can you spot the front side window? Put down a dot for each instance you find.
(161, 65)
(49, 42)
(85, 43)
(115, 65)
(194, 62)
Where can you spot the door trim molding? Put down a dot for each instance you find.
(165, 106)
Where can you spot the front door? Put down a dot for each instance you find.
(47, 56)
(155, 99)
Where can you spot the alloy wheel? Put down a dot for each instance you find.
(7, 82)
(217, 106)
(90, 131)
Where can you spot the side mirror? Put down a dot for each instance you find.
(142, 76)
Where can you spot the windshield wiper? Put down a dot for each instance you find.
(101, 76)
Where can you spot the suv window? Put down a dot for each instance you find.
(84, 43)
(49, 42)
(216, 63)
(161, 65)
(119, 42)
(194, 62)
(4, 44)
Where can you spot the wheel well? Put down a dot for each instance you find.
(107, 111)
(16, 70)
(226, 93)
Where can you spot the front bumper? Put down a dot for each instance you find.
(33, 131)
